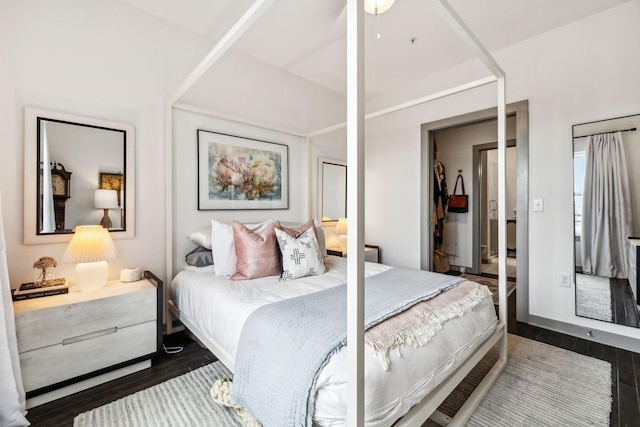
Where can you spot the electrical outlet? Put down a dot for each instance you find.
(538, 205)
(565, 280)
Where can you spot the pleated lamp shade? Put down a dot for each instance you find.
(342, 226)
(90, 248)
(341, 231)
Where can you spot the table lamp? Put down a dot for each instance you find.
(341, 231)
(106, 199)
(90, 248)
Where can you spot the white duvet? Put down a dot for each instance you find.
(219, 307)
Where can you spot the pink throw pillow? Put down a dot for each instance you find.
(257, 254)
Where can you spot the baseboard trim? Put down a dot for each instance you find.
(602, 337)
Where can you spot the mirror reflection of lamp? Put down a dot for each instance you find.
(90, 248)
(341, 231)
(106, 199)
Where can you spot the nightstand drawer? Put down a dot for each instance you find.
(67, 316)
(84, 354)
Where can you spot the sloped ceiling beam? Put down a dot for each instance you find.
(465, 34)
(442, 94)
(244, 23)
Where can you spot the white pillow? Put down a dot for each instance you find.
(201, 237)
(223, 248)
(301, 256)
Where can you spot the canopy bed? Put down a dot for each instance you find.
(354, 266)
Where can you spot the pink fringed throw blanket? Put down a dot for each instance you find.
(418, 324)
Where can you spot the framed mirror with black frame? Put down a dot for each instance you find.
(77, 171)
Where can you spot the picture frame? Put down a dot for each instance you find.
(241, 173)
(111, 181)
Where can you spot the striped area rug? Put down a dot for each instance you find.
(183, 401)
(593, 297)
(541, 385)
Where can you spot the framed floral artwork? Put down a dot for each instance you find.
(241, 173)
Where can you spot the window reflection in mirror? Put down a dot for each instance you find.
(332, 189)
(85, 153)
(67, 159)
(605, 294)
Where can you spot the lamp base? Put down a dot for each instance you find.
(343, 242)
(106, 221)
(91, 276)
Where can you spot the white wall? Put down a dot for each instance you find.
(585, 71)
(98, 59)
(188, 218)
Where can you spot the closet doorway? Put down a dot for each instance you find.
(468, 247)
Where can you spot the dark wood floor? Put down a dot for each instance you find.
(625, 371)
(623, 305)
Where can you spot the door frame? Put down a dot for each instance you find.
(521, 111)
(476, 200)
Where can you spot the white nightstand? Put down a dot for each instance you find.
(74, 341)
(371, 253)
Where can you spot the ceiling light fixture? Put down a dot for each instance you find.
(376, 7)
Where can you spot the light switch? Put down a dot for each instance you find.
(538, 205)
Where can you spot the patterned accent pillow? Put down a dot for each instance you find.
(297, 229)
(301, 255)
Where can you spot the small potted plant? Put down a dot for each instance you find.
(45, 264)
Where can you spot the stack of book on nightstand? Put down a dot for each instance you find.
(41, 289)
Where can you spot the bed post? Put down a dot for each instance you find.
(355, 204)
(502, 219)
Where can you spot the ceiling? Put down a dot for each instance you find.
(296, 51)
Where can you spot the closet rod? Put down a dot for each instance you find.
(603, 133)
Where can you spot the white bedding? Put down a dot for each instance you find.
(220, 307)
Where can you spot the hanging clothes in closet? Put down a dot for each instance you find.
(440, 198)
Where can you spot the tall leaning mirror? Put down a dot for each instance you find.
(78, 171)
(607, 219)
(332, 189)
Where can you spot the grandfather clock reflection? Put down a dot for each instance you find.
(61, 189)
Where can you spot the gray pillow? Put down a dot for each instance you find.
(199, 257)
